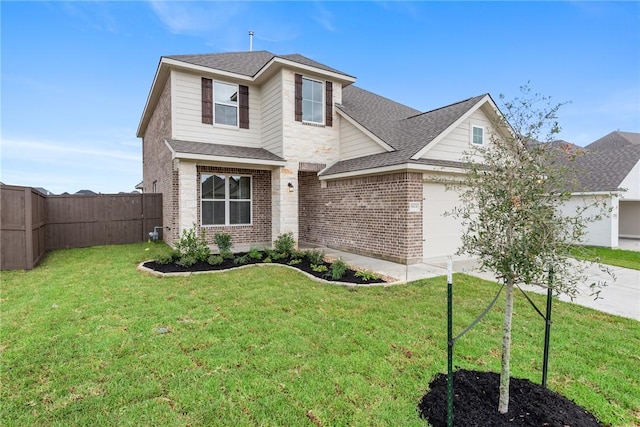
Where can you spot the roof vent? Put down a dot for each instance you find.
(250, 41)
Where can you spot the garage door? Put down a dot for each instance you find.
(629, 219)
(441, 234)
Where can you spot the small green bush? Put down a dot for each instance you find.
(367, 275)
(255, 253)
(295, 261)
(167, 258)
(227, 254)
(267, 260)
(338, 268)
(284, 243)
(275, 255)
(192, 247)
(241, 259)
(223, 242)
(315, 256)
(215, 260)
(319, 268)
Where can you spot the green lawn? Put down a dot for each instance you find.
(619, 257)
(81, 345)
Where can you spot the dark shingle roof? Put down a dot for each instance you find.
(403, 128)
(246, 63)
(191, 147)
(615, 139)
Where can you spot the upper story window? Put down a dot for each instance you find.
(225, 96)
(477, 135)
(225, 103)
(313, 101)
(225, 199)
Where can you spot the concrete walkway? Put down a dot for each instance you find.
(621, 297)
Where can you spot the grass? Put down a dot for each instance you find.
(618, 257)
(82, 343)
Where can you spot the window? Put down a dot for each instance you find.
(477, 135)
(225, 98)
(154, 187)
(226, 199)
(312, 104)
(225, 104)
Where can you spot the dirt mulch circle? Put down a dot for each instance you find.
(475, 403)
(228, 264)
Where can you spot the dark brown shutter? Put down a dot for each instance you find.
(244, 106)
(298, 96)
(207, 101)
(328, 96)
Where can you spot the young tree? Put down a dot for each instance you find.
(510, 208)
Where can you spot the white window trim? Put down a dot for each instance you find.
(227, 200)
(236, 106)
(471, 135)
(322, 102)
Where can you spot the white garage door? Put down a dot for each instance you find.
(441, 234)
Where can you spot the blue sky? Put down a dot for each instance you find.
(76, 75)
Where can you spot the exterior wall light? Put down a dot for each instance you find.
(290, 185)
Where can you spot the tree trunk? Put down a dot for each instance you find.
(503, 403)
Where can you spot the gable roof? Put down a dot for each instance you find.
(615, 139)
(604, 170)
(405, 129)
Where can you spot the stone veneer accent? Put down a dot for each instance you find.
(365, 215)
(259, 232)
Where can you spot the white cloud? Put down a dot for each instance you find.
(324, 17)
(196, 18)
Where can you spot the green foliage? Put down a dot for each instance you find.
(223, 242)
(275, 255)
(241, 259)
(295, 261)
(618, 257)
(268, 260)
(227, 254)
(319, 268)
(215, 260)
(192, 248)
(367, 275)
(167, 257)
(285, 243)
(255, 253)
(315, 256)
(338, 268)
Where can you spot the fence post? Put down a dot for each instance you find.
(449, 343)
(547, 330)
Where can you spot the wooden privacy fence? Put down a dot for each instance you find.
(32, 223)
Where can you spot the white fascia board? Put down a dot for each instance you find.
(598, 193)
(158, 79)
(454, 125)
(403, 167)
(364, 130)
(292, 64)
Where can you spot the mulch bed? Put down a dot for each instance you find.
(349, 276)
(475, 403)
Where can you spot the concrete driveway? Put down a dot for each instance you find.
(621, 297)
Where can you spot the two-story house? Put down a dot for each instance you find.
(256, 145)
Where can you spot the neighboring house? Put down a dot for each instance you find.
(256, 145)
(610, 165)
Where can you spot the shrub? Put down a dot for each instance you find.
(295, 261)
(284, 243)
(319, 268)
(315, 256)
(241, 259)
(255, 253)
(367, 275)
(227, 254)
(167, 258)
(338, 268)
(267, 260)
(215, 260)
(223, 242)
(191, 247)
(275, 255)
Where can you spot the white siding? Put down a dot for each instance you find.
(187, 115)
(354, 143)
(632, 184)
(272, 114)
(600, 233)
(453, 145)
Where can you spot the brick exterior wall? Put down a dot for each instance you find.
(257, 234)
(365, 215)
(157, 164)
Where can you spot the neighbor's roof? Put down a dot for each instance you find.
(605, 169)
(192, 148)
(615, 139)
(403, 128)
(247, 63)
